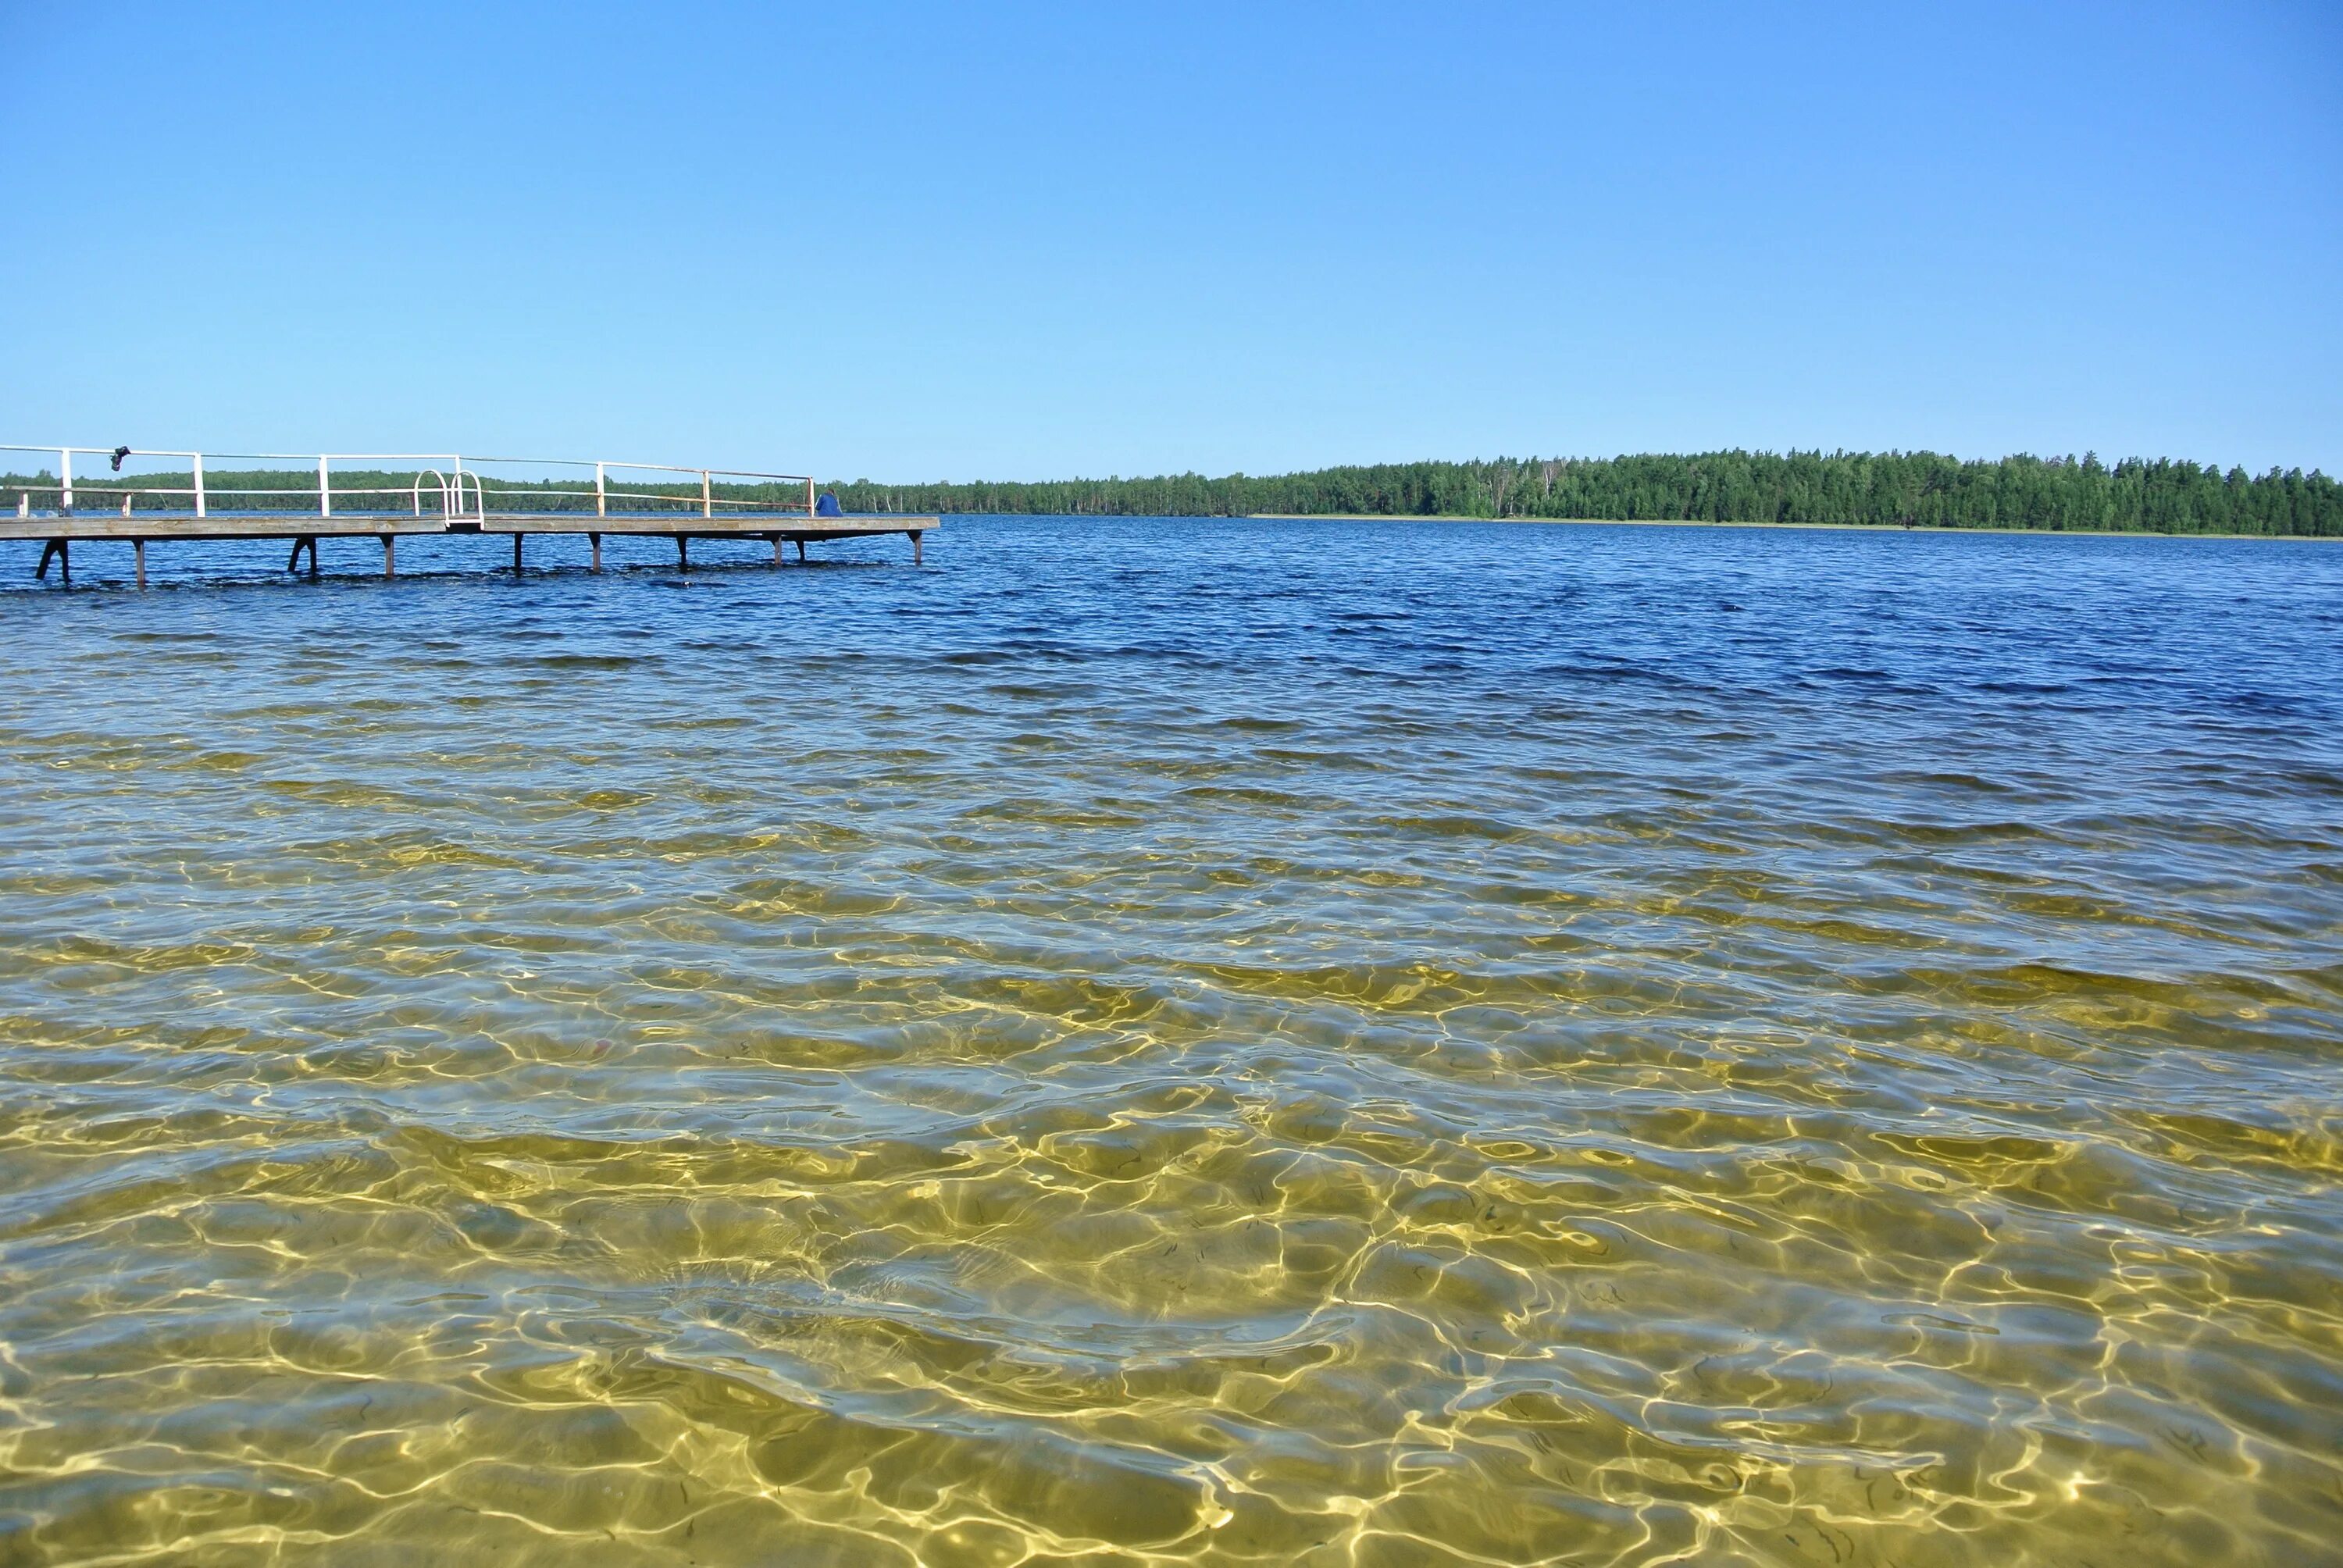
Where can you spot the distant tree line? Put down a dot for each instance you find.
(1883, 489)
(1876, 488)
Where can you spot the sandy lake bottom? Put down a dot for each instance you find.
(1178, 1041)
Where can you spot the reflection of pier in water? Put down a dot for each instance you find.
(382, 497)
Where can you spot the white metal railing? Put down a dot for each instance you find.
(618, 490)
(603, 493)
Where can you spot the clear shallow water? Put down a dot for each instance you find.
(1179, 1042)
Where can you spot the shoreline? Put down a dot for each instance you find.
(1708, 522)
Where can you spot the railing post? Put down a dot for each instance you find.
(602, 501)
(199, 483)
(808, 495)
(325, 490)
(707, 496)
(65, 479)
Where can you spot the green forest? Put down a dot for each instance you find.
(1881, 489)
(1885, 490)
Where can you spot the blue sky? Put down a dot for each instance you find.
(948, 242)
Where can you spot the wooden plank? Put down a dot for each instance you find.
(699, 529)
(343, 524)
(147, 526)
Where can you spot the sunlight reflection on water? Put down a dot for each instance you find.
(1178, 1041)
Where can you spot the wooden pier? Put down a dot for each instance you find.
(137, 510)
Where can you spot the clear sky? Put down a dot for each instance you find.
(953, 241)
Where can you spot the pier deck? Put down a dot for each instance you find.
(58, 534)
(140, 510)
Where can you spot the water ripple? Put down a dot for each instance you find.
(1180, 1042)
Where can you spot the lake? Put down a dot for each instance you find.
(1177, 1041)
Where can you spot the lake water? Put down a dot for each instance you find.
(1177, 1041)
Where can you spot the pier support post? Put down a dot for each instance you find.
(915, 546)
(138, 548)
(516, 539)
(305, 542)
(683, 552)
(390, 555)
(596, 541)
(60, 550)
(777, 550)
(800, 552)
